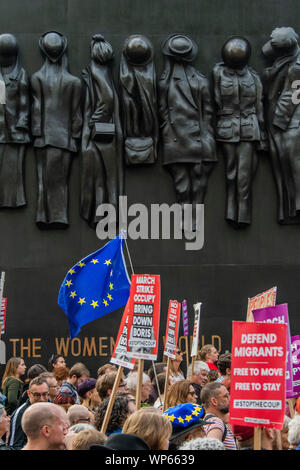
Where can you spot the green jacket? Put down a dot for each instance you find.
(12, 389)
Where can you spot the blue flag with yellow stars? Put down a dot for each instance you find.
(95, 286)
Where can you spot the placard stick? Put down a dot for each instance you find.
(139, 383)
(112, 400)
(291, 402)
(187, 351)
(257, 439)
(193, 364)
(167, 384)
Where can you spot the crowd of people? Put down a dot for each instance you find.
(56, 407)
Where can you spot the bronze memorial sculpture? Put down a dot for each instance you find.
(56, 128)
(185, 110)
(102, 174)
(14, 123)
(283, 118)
(240, 125)
(139, 101)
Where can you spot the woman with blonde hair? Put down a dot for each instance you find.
(181, 392)
(176, 373)
(150, 425)
(12, 385)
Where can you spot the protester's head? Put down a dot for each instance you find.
(4, 421)
(159, 384)
(38, 390)
(61, 375)
(76, 428)
(45, 426)
(105, 383)
(52, 384)
(64, 401)
(202, 443)
(187, 422)
(160, 367)
(132, 381)
(213, 375)
(119, 413)
(78, 414)
(175, 363)
(224, 364)
(208, 353)
(87, 391)
(15, 367)
(294, 431)
(270, 437)
(78, 373)
(84, 439)
(215, 397)
(105, 369)
(55, 362)
(181, 392)
(150, 425)
(200, 375)
(284, 433)
(35, 371)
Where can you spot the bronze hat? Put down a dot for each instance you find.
(181, 47)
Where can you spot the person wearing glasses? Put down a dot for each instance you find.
(175, 371)
(38, 392)
(180, 392)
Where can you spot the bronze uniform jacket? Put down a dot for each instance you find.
(238, 95)
(185, 112)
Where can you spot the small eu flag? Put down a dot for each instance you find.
(95, 286)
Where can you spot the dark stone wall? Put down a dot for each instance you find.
(232, 266)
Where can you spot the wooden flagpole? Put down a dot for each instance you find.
(112, 400)
(257, 438)
(167, 384)
(139, 383)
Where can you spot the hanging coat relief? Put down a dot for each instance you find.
(56, 128)
(139, 102)
(14, 123)
(102, 171)
(185, 110)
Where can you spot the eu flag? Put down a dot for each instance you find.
(95, 286)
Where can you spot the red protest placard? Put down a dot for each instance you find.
(119, 356)
(258, 362)
(143, 316)
(172, 329)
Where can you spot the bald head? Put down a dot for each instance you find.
(37, 416)
(78, 414)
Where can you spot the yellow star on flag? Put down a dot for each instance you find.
(111, 286)
(195, 413)
(82, 301)
(107, 262)
(81, 264)
(105, 302)
(68, 283)
(109, 297)
(94, 261)
(171, 418)
(95, 303)
(111, 273)
(180, 420)
(188, 418)
(72, 271)
(73, 294)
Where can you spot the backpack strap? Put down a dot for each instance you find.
(225, 427)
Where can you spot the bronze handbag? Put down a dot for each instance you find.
(139, 150)
(103, 131)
